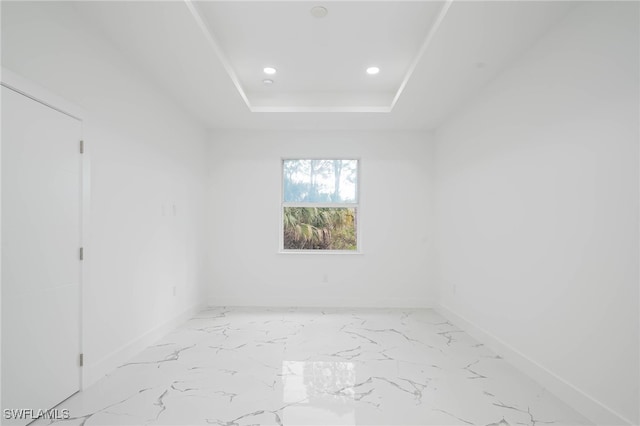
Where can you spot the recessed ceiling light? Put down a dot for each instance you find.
(373, 70)
(269, 70)
(267, 82)
(319, 11)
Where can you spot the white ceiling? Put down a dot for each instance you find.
(321, 62)
(433, 56)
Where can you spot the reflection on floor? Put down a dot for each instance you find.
(234, 367)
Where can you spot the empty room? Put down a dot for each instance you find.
(242, 213)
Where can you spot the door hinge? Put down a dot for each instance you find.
(81, 360)
(81, 253)
(81, 147)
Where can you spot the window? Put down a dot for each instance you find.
(320, 205)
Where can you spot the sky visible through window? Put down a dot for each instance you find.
(320, 181)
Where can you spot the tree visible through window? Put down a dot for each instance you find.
(320, 204)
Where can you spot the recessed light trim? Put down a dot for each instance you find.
(269, 70)
(373, 70)
(267, 82)
(319, 11)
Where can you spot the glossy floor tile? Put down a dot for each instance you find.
(236, 367)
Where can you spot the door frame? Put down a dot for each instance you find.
(28, 88)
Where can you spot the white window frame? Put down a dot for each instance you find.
(355, 206)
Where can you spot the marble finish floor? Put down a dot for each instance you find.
(237, 367)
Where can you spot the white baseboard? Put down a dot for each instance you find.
(588, 406)
(393, 303)
(92, 372)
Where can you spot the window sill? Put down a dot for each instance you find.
(321, 252)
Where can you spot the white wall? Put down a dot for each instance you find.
(395, 221)
(146, 156)
(537, 202)
(537, 209)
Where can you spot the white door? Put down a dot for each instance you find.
(41, 190)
